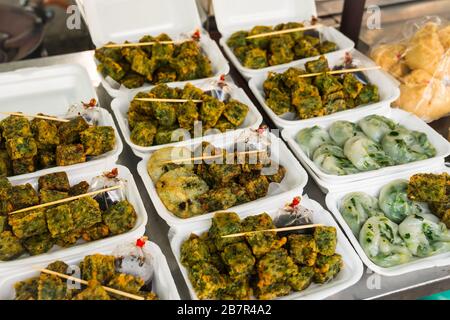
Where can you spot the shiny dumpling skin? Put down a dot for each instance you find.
(425, 235)
(157, 164)
(376, 126)
(357, 207)
(405, 146)
(365, 154)
(310, 139)
(382, 243)
(341, 131)
(331, 160)
(394, 202)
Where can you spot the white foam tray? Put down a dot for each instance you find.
(52, 90)
(162, 284)
(388, 91)
(57, 252)
(124, 20)
(349, 275)
(293, 183)
(121, 104)
(373, 187)
(404, 118)
(236, 15)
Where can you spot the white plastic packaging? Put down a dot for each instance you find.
(236, 15)
(121, 104)
(387, 89)
(122, 20)
(162, 284)
(404, 118)
(333, 201)
(76, 176)
(52, 90)
(292, 184)
(349, 275)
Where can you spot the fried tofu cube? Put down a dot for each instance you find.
(5, 189)
(45, 133)
(58, 181)
(326, 239)
(69, 132)
(143, 134)
(46, 196)
(46, 159)
(319, 65)
(10, 246)
(15, 126)
(302, 279)
(120, 217)
(98, 267)
(6, 207)
(98, 140)
(428, 187)
(67, 239)
(67, 155)
(28, 224)
(257, 187)
(126, 282)
(235, 112)
(225, 223)
(193, 251)
(255, 58)
(279, 102)
(237, 39)
(278, 176)
(59, 220)
(24, 165)
(96, 232)
(273, 291)
(275, 267)
(51, 287)
(58, 266)
(85, 212)
(369, 94)
(78, 189)
(224, 125)
(239, 259)
(186, 68)
(218, 199)
(280, 55)
(224, 173)
(5, 164)
(19, 148)
(327, 46)
(210, 110)
(187, 115)
(27, 289)
(132, 80)
(237, 289)
(23, 196)
(166, 115)
(3, 223)
(94, 291)
(327, 267)
(206, 280)
(261, 242)
(39, 244)
(302, 249)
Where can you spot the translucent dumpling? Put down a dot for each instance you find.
(310, 139)
(404, 146)
(341, 131)
(382, 243)
(331, 160)
(425, 235)
(375, 126)
(394, 202)
(365, 154)
(356, 208)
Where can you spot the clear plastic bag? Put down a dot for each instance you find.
(107, 180)
(419, 59)
(293, 214)
(90, 112)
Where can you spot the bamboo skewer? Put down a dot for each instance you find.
(209, 157)
(166, 100)
(339, 71)
(307, 226)
(142, 44)
(19, 114)
(274, 33)
(111, 290)
(93, 193)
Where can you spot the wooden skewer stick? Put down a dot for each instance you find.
(307, 226)
(93, 193)
(339, 71)
(166, 100)
(142, 44)
(111, 290)
(274, 33)
(33, 116)
(209, 157)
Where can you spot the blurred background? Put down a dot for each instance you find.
(40, 25)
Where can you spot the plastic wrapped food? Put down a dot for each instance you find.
(419, 59)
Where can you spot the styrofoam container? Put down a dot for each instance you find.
(388, 91)
(162, 284)
(349, 275)
(410, 121)
(292, 184)
(121, 104)
(52, 90)
(373, 187)
(76, 176)
(236, 15)
(124, 20)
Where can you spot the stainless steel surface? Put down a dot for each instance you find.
(371, 285)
